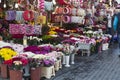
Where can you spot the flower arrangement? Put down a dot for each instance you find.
(7, 53)
(34, 49)
(34, 40)
(48, 62)
(17, 62)
(36, 60)
(59, 47)
(66, 49)
(47, 39)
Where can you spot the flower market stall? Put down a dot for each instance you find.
(42, 36)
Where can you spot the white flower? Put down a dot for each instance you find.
(30, 37)
(29, 54)
(59, 46)
(39, 56)
(17, 62)
(89, 31)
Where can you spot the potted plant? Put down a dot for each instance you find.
(16, 65)
(66, 51)
(35, 64)
(47, 70)
(5, 54)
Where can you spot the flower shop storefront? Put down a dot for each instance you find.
(43, 36)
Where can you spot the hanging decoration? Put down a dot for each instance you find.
(28, 15)
(66, 19)
(10, 15)
(41, 5)
(62, 2)
(41, 20)
(48, 5)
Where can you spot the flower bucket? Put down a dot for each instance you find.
(35, 73)
(4, 71)
(47, 72)
(105, 46)
(63, 59)
(26, 70)
(15, 74)
(72, 58)
(67, 60)
(58, 65)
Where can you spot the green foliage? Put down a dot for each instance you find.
(19, 41)
(45, 29)
(47, 39)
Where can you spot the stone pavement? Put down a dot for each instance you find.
(101, 66)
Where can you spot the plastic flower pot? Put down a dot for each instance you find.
(4, 71)
(33, 73)
(15, 74)
(47, 72)
(72, 58)
(67, 60)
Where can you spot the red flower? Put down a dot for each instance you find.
(24, 61)
(9, 62)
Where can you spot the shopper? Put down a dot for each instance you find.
(116, 27)
(113, 32)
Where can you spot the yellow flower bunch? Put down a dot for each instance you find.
(7, 53)
(54, 28)
(52, 32)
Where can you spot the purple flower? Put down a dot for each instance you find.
(68, 41)
(33, 49)
(48, 62)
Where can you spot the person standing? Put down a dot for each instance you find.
(116, 26)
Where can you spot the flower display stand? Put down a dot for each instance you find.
(67, 60)
(72, 58)
(47, 72)
(85, 47)
(58, 65)
(4, 71)
(105, 46)
(15, 74)
(26, 70)
(35, 73)
(86, 52)
(63, 59)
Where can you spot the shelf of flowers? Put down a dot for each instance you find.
(48, 58)
(43, 58)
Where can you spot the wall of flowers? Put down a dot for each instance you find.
(42, 36)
